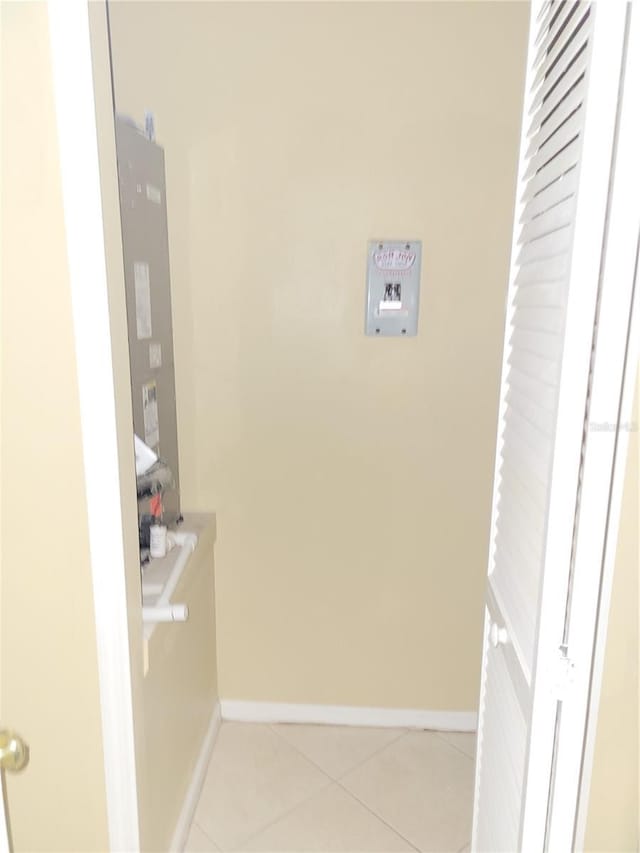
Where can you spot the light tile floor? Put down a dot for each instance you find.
(335, 789)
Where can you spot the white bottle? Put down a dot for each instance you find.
(157, 541)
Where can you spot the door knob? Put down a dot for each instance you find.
(14, 752)
(498, 636)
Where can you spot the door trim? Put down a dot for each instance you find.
(82, 199)
(599, 134)
(623, 263)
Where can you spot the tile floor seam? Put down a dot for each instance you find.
(395, 829)
(329, 779)
(284, 814)
(373, 754)
(338, 781)
(300, 752)
(378, 816)
(452, 745)
(346, 790)
(194, 822)
(404, 733)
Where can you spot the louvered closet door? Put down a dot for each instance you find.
(573, 73)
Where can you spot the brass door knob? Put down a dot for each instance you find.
(14, 752)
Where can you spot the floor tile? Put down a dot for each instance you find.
(331, 822)
(337, 749)
(198, 842)
(254, 778)
(422, 787)
(464, 741)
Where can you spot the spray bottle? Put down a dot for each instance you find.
(158, 530)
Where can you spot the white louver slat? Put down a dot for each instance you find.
(554, 170)
(543, 393)
(543, 17)
(552, 269)
(538, 304)
(558, 84)
(512, 789)
(538, 300)
(541, 131)
(548, 246)
(558, 143)
(546, 198)
(542, 419)
(550, 140)
(540, 294)
(563, 14)
(563, 52)
(568, 45)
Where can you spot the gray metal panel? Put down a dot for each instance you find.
(145, 240)
(393, 287)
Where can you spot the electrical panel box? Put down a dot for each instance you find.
(393, 287)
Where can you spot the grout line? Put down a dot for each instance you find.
(285, 813)
(471, 758)
(194, 822)
(379, 817)
(330, 780)
(402, 734)
(338, 782)
(323, 787)
(299, 751)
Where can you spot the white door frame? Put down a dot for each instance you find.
(614, 365)
(610, 421)
(75, 111)
(82, 199)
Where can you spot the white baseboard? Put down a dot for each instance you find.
(343, 715)
(194, 790)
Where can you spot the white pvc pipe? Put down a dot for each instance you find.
(166, 613)
(187, 543)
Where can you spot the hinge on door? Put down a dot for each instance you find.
(565, 673)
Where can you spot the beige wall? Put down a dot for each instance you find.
(180, 693)
(48, 646)
(351, 477)
(612, 822)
